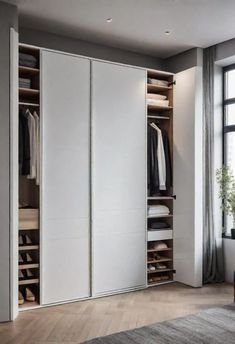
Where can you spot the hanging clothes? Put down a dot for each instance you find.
(33, 145)
(24, 145)
(29, 145)
(37, 136)
(159, 160)
(153, 175)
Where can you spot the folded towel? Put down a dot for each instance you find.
(153, 226)
(158, 82)
(27, 57)
(158, 209)
(158, 102)
(156, 96)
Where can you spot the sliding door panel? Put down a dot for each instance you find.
(119, 177)
(65, 177)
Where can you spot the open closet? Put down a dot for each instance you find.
(107, 202)
(29, 176)
(160, 198)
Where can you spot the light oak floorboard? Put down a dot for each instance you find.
(79, 321)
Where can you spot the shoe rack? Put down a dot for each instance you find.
(160, 264)
(29, 197)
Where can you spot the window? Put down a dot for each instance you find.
(229, 127)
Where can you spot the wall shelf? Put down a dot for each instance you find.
(159, 216)
(29, 281)
(28, 266)
(159, 108)
(154, 88)
(28, 71)
(28, 247)
(160, 250)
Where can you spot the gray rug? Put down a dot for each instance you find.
(213, 326)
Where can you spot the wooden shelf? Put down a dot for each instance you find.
(159, 108)
(28, 92)
(153, 73)
(159, 260)
(28, 266)
(154, 88)
(160, 250)
(154, 284)
(159, 216)
(157, 271)
(155, 198)
(28, 247)
(28, 71)
(27, 305)
(29, 281)
(158, 117)
(29, 104)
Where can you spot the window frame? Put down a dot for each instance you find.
(226, 128)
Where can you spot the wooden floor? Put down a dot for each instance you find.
(79, 321)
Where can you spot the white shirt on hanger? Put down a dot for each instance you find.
(161, 158)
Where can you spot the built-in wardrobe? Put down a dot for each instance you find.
(83, 228)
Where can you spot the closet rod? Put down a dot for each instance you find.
(28, 104)
(159, 117)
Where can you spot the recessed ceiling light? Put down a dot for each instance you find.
(167, 32)
(109, 20)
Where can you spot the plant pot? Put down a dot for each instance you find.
(233, 233)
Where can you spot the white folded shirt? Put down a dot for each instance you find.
(158, 209)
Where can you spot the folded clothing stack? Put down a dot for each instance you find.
(158, 209)
(27, 60)
(158, 226)
(24, 83)
(158, 82)
(157, 99)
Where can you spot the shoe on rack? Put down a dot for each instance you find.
(21, 242)
(28, 258)
(21, 260)
(20, 298)
(28, 241)
(29, 273)
(21, 275)
(151, 267)
(29, 295)
(161, 266)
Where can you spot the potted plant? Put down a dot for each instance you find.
(226, 181)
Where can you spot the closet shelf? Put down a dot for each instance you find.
(29, 281)
(159, 216)
(29, 104)
(159, 108)
(153, 88)
(158, 117)
(155, 198)
(160, 250)
(28, 247)
(160, 271)
(153, 284)
(28, 71)
(28, 266)
(159, 260)
(28, 91)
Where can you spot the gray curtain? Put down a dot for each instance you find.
(213, 264)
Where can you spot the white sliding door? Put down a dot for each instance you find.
(119, 177)
(65, 177)
(188, 187)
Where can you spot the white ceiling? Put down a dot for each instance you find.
(138, 25)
